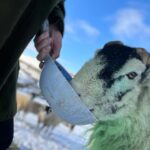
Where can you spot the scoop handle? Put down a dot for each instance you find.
(45, 27)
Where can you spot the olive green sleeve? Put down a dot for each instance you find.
(57, 16)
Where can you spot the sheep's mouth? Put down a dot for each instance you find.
(115, 108)
(119, 96)
(109, 111)
(109, 107)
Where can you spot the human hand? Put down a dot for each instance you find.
(48, 44)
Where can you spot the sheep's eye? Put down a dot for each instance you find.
(131, 75)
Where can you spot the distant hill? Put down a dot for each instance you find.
(30, 66)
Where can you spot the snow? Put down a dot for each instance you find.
(29, 136)
(23, 78)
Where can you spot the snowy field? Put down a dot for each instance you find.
(28, 136)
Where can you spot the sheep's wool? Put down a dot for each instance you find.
(115, 86)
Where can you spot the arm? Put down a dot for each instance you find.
(50, 43)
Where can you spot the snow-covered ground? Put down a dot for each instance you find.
(28, 136)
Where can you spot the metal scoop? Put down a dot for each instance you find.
(60, 95)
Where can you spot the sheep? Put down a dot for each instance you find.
(22, 100)
(70, 126)
(49, 119)
(26, 104)
(34, 107)
(115, 86)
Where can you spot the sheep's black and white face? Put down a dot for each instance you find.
(110, 83)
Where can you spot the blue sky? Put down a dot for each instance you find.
(89, 24)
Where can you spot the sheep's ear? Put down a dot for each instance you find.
(144, 55)
(113, 43)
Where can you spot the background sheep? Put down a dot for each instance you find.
(26, 104)
(48, 120)
(115, 85)
(45, 117)
(23, 100)
(51, 120)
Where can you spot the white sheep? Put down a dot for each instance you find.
(115, 86)
(26, 104)
(50, 120)
(22, 100)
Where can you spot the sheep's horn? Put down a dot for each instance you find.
(145, 56)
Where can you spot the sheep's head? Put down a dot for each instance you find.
(110, 83)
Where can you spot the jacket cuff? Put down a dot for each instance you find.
(56, 17)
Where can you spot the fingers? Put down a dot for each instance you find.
(56, 50)
(46, 45)
(42, 41)
(43, 45)
(56, 44)
(43, 53)
(41, 37)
